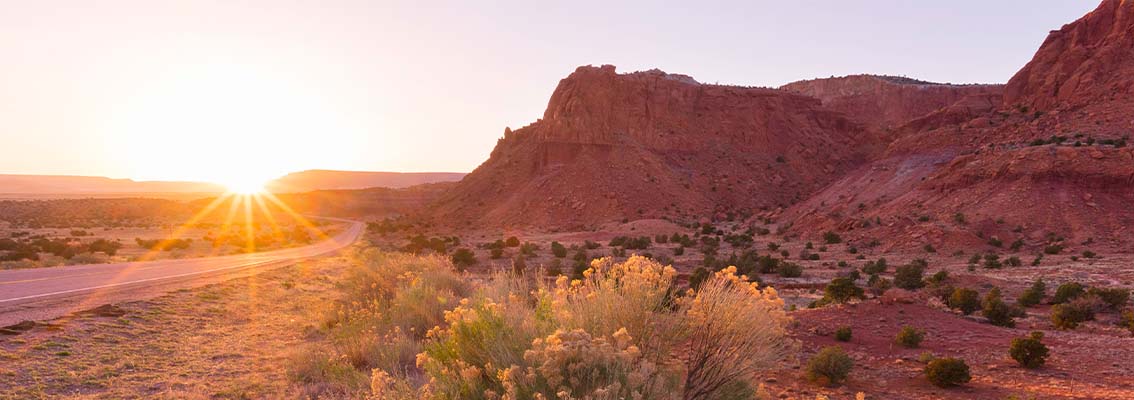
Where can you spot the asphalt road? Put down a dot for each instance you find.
(46, 293)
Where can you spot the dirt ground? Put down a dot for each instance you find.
(229, 340)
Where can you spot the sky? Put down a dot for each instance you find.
(212, 90)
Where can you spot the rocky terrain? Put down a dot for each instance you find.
(1042, 157)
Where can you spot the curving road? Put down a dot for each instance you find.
(45, 293)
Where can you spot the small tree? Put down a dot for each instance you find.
(996, 310)
(1033, 295)
(1067, 292)
(558, 250)
(829, 367)
(512, 241)
(462, 258)
(1070, 315)
(841, 290)
(843, 334)
(964, 299)
(910, 276)
(1029, 351)
(831, 237)
(947, 372)
(1114, 298)
(909, 337)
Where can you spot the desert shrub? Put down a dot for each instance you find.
(529, 249)
(829, 367)
(495, 253)
(965, 300)
(789, 270)
(679, 250)
(512, 241)
(661, 238)
(1014, 261)
(1070, 315)
(928, 248)
(1089, 254)
(830, 237)
(1067, 292)
(767, 264)
(878, 284)
(462, 258)
(909, 337)
(574, 364)
(1053, 249)
(874, 267)
(992, 261)
(841, 290)
(910, 276)
(1029, 351)
(995, 242)
(1033, 295)
(558, 250)
(996, 310)
(1114, 298)
(938, 278)
(735, 330)
(325, 375)
(1126, 320)
(843, 334)
(947, 372)
(519, 266)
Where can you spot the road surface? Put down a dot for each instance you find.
(46, 293)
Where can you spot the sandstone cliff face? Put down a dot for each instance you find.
(651, 144)
(1086, 61)
(887, 102)
(980, 158)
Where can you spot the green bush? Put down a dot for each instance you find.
(679, 250)
(1033, 295)
(1070, 315)
(1067, 292)
(874, 267)
(910, 276)
(841, 290)
(512, 241)
(1114, 298)
(964, 299)
(494, 253)
(996, 310)
(1029, 351)
(1126, 320)
(462, 258)
(790, 270)
(909, 337)
(558, 250)
(1053, 249)
(843, 334)
(830, 237)
(829, 367)
(947, 372)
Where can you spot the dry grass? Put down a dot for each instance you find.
(227, 341)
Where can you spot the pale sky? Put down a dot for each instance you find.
(202, 90)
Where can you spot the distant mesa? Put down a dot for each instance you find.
(306, 181)
(95, 185)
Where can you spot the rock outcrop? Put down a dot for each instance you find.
(1085, 62)
(887, 102)
(651, 144)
